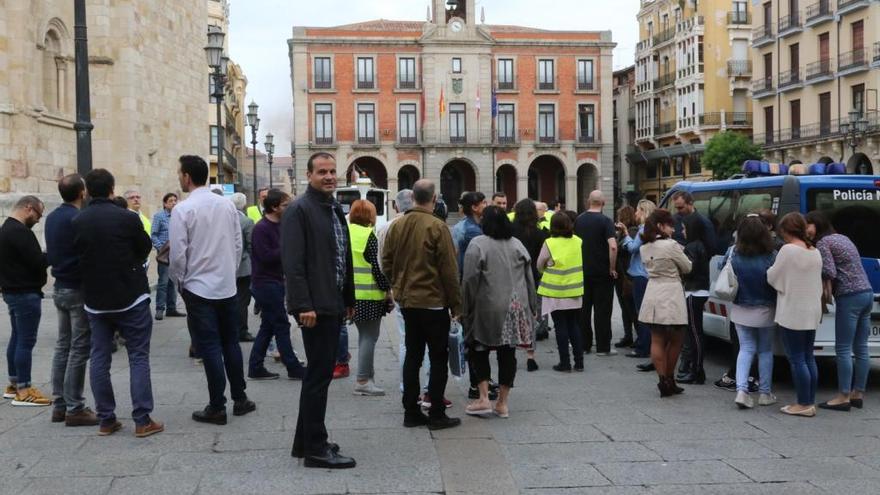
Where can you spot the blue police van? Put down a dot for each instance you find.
(851, 202)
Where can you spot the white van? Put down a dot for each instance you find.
(363, 189)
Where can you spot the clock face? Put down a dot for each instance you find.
(456, 26)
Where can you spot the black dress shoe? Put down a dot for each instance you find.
(299, 454)
(531, 365)
(246, 337)
(243, 407)
(635, 354)
(262, 374)
(329, 460)
(857, 403)
(624, 342)
(562, 368)
(442, 422)
(697, 378)
(175, 314)
(843, 406)
(207, 415)
(412, 420)
(646, 367)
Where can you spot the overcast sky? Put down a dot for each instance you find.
(259, 30)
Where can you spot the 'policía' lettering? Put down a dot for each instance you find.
(856, 195)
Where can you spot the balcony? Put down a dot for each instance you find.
(846, 6)
(323, 141)
(506, 86)
(763, 87)
(323, 84)
(366, 85)
(711, 119)
(457, 139)
(818, 13)
(664, 128)
(406, 85)
(876, 62)
(789, 24)
(663, 36)
(739, 119)
(407, 140)
(547, 86)
(547, 140)
(663, 81)
(762, 36)
(586, 138)
(810, 132)
(366, 140)
(739, 18)
(852, 62)
(739, 68)
(820, 71)
(506, 138)
(790, 80)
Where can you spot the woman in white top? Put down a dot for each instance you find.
(797, 277)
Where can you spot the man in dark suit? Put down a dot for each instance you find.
(112, 245)
(318, 270)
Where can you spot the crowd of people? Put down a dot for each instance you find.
(502, 276)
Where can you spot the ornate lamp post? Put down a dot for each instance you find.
(83, 125)
(854, 132)
(254, 121)
(219, 63)
(270, 150)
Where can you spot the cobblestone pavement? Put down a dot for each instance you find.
(605, 431)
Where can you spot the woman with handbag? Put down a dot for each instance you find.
(498, 307)
(753, 308)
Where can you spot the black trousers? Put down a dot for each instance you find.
(695, 337)
(243, 297)
(482, 370)
(596, 313)
(623, 288)
(426, 327)
(320, 344)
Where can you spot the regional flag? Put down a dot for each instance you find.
(442, 103)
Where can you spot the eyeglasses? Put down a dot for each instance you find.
(135, 196)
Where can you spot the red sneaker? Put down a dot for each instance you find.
(425, 402)
(341, 371)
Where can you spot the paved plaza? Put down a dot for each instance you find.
(605, 431)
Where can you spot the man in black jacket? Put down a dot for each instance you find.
(22, 277)
(112, 246)
(316, 256)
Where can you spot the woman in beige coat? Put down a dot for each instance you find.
(664, 309)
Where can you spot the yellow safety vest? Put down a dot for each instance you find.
(148, 226)
(566, 277)
(544, 223)
(511, 216)
(365, 287)
(254, 213)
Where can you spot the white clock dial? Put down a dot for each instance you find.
(456, 26)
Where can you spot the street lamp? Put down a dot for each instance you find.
(854, 132)
(254, 121)
(270, 150)
(83, 125)
(219, 63)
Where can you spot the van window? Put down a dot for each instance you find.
(756, 200)
(378, 200)
(346, 198)
(718, 207)
(854, 213)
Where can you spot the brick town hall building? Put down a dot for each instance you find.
(471, 106)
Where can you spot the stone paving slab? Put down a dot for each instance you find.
(804, 469)
(667, 473)
(695, 450)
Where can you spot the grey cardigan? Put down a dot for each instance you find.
(496, 274)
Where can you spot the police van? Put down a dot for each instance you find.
(851, 203)
(363, 189)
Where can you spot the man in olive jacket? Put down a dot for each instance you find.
(318, 271)
(419, 259)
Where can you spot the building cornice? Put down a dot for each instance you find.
(336, 40)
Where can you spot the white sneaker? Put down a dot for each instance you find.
(767, 400)
(612, 352)
(368, 389)
(744, 400)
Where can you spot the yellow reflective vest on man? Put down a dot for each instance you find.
(254, 213)
(365, 286)
(566, 277)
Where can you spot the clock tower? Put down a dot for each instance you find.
(454, 13)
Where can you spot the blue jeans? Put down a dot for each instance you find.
(166, 296)
(753, 341)
(852, 327)
(566, 323)
(342, 356)
(273, 323)
(214, 327)
(643, 333)
(799, 347)
(136, 327)
(25, 311)
(71, 351)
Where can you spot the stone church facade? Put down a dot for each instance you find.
(148, 92)
(470, 105)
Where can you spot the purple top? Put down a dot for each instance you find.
(266, 253)
(842, 264)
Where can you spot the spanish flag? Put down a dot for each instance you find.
(442, 103)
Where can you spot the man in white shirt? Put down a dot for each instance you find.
(205, 249)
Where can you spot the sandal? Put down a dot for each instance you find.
(470, 410)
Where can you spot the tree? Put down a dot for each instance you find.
(726, 152)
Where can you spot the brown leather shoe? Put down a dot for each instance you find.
(109, 429)
(84, 417)
(58, 415)
(148, 429)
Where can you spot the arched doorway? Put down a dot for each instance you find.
(547, 179)
(407, 177)
(367, 166)
(455, 178)
(588, 181)
(505, 181)
(859, 164)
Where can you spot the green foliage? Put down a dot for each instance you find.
(726, 152)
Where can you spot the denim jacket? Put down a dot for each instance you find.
(751, 274)
(633, 245)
